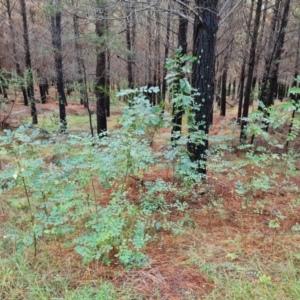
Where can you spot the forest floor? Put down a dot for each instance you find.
(227, 251)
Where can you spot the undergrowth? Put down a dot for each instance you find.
(94, 197)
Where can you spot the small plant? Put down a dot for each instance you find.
(63, 199)
(232, 256)
(264, 279)
(181, 90)
(274, 223)
(296, 228)
(115, 229)
(140, 117)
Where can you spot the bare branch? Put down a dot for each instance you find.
(224, 19)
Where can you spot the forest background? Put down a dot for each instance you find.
(154, 141)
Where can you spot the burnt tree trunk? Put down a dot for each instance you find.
(277, 57)
(251, 69)
(270, 56)
(43, 86)
(29, 75)
(261, 44)
(203, 77)
(164, 83)
(149, 50)
(223, 91)
(129, 47)
(56, 42)
(107, 77)
(243, 69)
(253, 85)
(157, 62)
(79, 62)
(233, 88)
(100, 84)
(228, 92)
(18, 68)
(178, 111)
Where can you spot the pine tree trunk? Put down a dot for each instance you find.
(164, 83)
(149, 52)
(129, 48)
(224, 92)
(252, 58)
(157, 71)
(81, 81)
(100, 88)
(277, 58)
(224, 82)
(233, 89)
(203, 77)
(107, 77)
(18, 68)
(29, 75)
(261, 44)
(229, 89)
(56, 42)
(243, 69)
(177, 110)
(270, 57)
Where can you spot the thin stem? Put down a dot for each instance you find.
(95, 200)
(32, 219)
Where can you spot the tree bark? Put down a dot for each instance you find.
(129, 47)
(43, 85)
(100, 88)
(149, 53)
(157, 64)
(243, 69)
(178, 110)
(164, 83)
(277, 57)
(56, 42)
(107, 77)
(251, 69)
(18, 68)
(261, 44)
(233, 88)
(225, 92)
(228, 91)
(82, 88)
(29, 75)
(270, 56)
(203, 77)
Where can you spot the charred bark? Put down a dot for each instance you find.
(100, 84)
(29, 74)
(57, 45)
(18, 67)
(243, 69)
(203, 78)
(252, 58)
(164, 83)
(178, 110)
